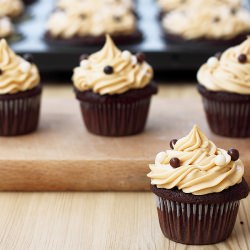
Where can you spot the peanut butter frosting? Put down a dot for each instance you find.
(6, 27)
(91, 20)
(230, 72)
(16, 73)
(11, 8)
(203, 167)
(197, 22)
(169, 5)
(111, 71)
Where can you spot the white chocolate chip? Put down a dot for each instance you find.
(160, 157)
(85, 64)
(212, 62)
(126, 55)
(220, 160)
(24, 66)
(133, 60)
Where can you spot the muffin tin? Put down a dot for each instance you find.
(59, 57)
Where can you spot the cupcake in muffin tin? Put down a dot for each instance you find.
(114, 89)
(20, 93)
(198, 188)
(205, 23)
(87, 22)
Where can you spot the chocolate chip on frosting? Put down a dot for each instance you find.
(175, 162)
(242, 58)
(172, 143)
(108, 70)
(29, 58)
(216, 19)
(234, 153)
(1, 71)
(83, 16)
(140, 57)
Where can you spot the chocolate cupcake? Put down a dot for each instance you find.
(206, 24)
(87, 22)
(20, 93)
(198, 188)
(114, 89)
(224, 84)
(11, 8)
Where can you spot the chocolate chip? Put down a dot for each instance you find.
(218, 55)
(83, 16)
(216, 19)
(1, 71)
(108, 70)
(117, 18)
(172, 143)
(234, 153)
(28, 58)
(242, 58)
(84, 57)
(140, 57)
(175, 162)
(241, 222)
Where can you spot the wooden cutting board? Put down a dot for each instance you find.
(63, 156)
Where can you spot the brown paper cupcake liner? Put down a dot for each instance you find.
(118, 115)
(227, 114)
(196, 224)
(19, 113)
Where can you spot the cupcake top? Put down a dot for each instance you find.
(111, 71)
(229, 71)
(198, 22)
(11, 8)
(169, 5)
(16, 74)
(195, 165)
(6, 27)
(91, 18)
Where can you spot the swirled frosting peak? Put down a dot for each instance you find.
(230, 72)
(111, 71)
(203, 168)
(16, 74)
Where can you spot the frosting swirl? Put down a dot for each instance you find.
(11, 8)
(228, 73)
(169, 5)
(207, 23)
(127, 73)
(91, 19)
(16, 73)
(204, 167)
(6, 27)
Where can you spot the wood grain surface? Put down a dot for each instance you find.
(95, 221)
(63, 156)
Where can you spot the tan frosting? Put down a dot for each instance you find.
(17, 74)
(209, 22)
(128, 73)
(204, 168)
(6, 27)
(11, 8)
(169, 5)
(228, 74)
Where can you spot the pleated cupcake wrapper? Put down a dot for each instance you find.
(117, 118)
(196, 224)
(19, 115)
(229, 119)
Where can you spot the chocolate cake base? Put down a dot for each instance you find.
(119, 38)
(199, 220)
(116, 115)
(19, 113)
(228, 114)
(176, 39)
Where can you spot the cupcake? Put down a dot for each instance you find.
(11, 8)
(6, 27)
(198, 188)
(87, 22)
(224, 84)
(114, 89)
(20, 93)
(206, 24)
